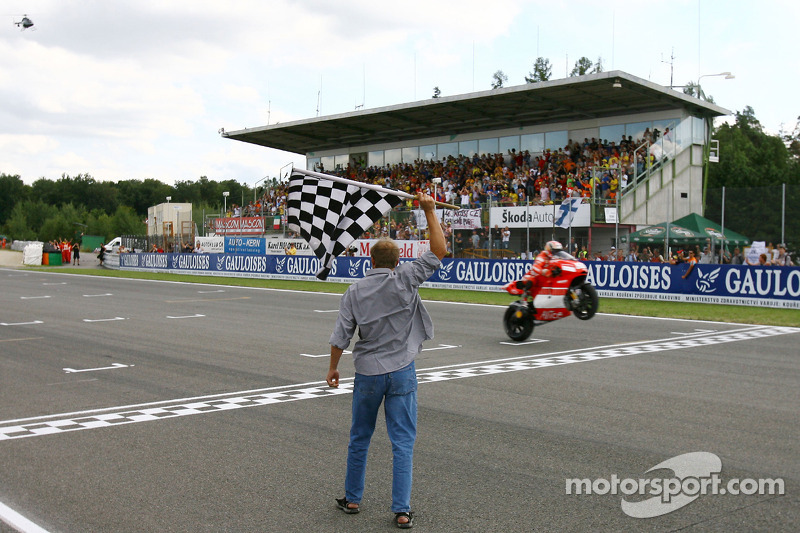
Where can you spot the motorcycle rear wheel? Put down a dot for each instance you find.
(517, 328)
(586, 302)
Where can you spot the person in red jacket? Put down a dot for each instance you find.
(535, 278)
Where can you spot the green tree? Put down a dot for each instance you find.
(98, 222)
(126, 221)
(693, 89)
(598, 67)
(17, 224)
(582, 66)
(12, 191)
(753, 167)
(542, 70)
(437, 92)
(498, 79)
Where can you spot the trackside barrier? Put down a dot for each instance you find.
(718, 284)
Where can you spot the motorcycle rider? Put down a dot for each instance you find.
(535, 278)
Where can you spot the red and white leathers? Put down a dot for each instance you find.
(535, 277)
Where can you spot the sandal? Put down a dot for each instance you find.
(404, 525)
(344, 505)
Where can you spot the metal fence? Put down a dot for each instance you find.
(769, 214)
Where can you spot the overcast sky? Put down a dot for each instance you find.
(136, 89)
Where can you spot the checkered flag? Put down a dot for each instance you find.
(330, 215)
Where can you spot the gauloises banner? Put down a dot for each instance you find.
(239, 226)
(720, 284)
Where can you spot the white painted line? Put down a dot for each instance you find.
(113, 366)
(326, 310)
(115, 416)
(346, 352)
(104, 319)
(532, 341)
(209, 292)
(32, 297)
(696, 331)
(21, 323)
(441, 347)
(17, 521)
(96, 295)
(187, 316)
(62, 283)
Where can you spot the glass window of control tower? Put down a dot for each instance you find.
(446, 150)
(427, 152)
(507, 144)
(488, 146)
(410, 154)
(555, 139)
(533, 143)
(468, 148)
(375, 159)
(612, 133)
(327, 162)
(393, 156)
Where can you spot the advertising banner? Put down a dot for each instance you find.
(719, 284)
(536, 216)
(457, 218)
(239, 226)
(245, 245)
(211, 245)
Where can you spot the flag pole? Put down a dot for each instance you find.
(378, 188)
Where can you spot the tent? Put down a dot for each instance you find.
(712, 230)
(657, 234)
(691, 229)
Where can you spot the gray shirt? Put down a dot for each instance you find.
(387, 309)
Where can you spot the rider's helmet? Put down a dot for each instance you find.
(553, 247)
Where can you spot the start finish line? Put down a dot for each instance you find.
(761, 286)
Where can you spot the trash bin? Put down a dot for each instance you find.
(54, 259)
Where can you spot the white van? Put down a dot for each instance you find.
(113, 243)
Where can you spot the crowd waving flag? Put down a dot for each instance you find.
(567, 212)
(331, 212)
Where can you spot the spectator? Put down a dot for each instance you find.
(506, 237)
(691, 260)
(781, 259)
(736, 258)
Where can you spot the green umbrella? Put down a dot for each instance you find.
(709, 229)
(657, 234)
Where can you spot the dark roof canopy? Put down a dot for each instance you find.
(565, 100)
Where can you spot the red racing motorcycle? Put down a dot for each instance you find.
(565, 292)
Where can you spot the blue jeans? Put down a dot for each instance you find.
(398, 392)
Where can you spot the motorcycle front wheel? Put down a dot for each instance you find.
(518, 324)
(584, 301)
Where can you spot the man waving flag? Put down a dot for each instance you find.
(331, 212)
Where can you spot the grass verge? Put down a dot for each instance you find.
(693, 311)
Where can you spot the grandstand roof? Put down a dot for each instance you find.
(565, 100)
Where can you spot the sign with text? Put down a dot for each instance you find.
(239, 226)
(719, 284)
(535, 216)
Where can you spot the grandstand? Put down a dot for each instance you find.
(633, 149)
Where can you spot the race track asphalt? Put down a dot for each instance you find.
(132, 405)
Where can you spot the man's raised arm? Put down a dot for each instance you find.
(438, 246)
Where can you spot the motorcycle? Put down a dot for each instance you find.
(565, 291)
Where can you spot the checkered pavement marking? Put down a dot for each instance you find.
(63, 425)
